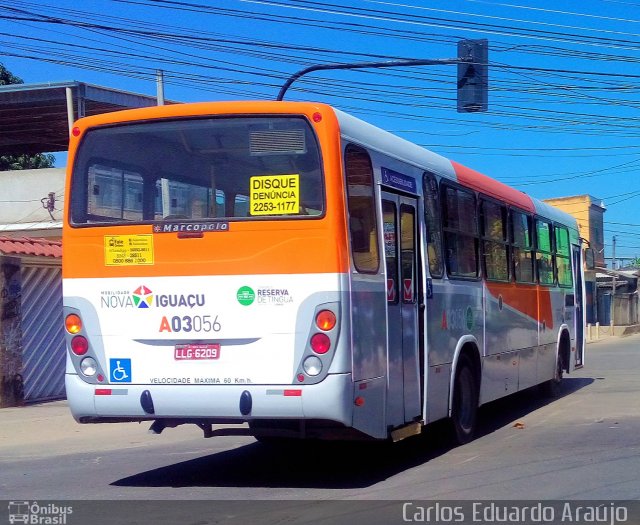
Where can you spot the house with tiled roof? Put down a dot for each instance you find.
(30, 247)
(32, 348)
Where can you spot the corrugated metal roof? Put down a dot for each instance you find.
(34, 117)
(30, 246)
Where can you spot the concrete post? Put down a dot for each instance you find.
(70, 115)
(160, 87)
(613, 286)
(11, 381)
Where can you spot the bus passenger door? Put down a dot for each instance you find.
(400, 248)
(579, 304)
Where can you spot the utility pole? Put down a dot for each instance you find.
(613, 282)
(160, 87)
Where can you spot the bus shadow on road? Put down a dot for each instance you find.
(335, 465)
(310, 465)
(509, 410)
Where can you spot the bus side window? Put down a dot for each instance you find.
(563, 257)
(544, 253)
(363, 228)
(390, 228)
(495, 249)
(460, 225)
(432, 220)
(522, 250)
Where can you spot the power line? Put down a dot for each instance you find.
(219, 63)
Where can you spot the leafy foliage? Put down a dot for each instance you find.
(635, 263)
(26, 162)
(6, 77)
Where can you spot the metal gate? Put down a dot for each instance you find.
(43, 343)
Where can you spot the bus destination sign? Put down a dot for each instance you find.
(398, 181)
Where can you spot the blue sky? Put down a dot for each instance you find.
(564, 104)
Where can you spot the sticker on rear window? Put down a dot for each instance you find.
(274, 195)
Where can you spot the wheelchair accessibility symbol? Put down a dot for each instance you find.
(120, 370)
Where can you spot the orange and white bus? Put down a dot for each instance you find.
(289, 266)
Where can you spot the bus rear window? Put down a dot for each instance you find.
(210, 168)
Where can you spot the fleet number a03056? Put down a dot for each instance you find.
(190, 323)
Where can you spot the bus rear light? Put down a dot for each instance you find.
(73, 324)
(312, 365)
(89, 366)
(326, 320)
(320, 343)
(317, 117)
(76, 131)
(300, 378)
(79, 345)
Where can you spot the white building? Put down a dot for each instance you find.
(32, 203)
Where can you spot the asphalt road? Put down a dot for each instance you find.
(584, 445)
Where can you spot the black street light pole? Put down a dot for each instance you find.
(362, 65)
(472, 72)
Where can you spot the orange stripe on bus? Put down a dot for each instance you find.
(531, 300)
(493, 188)
(273, 248)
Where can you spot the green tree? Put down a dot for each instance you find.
(26, 162)
(6, 77)
(21, 162)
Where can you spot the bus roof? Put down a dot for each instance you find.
(387, 143)
(358, 131)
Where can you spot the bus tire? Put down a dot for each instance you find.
(464, 409)
(553, 387)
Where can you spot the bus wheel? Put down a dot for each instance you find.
(464, 412)
(552, 388)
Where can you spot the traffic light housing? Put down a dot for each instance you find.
(473, 75)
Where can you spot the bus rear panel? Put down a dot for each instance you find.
(205, 273)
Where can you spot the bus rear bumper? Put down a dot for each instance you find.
(331, 399)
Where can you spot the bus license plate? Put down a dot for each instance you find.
(196, 351)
